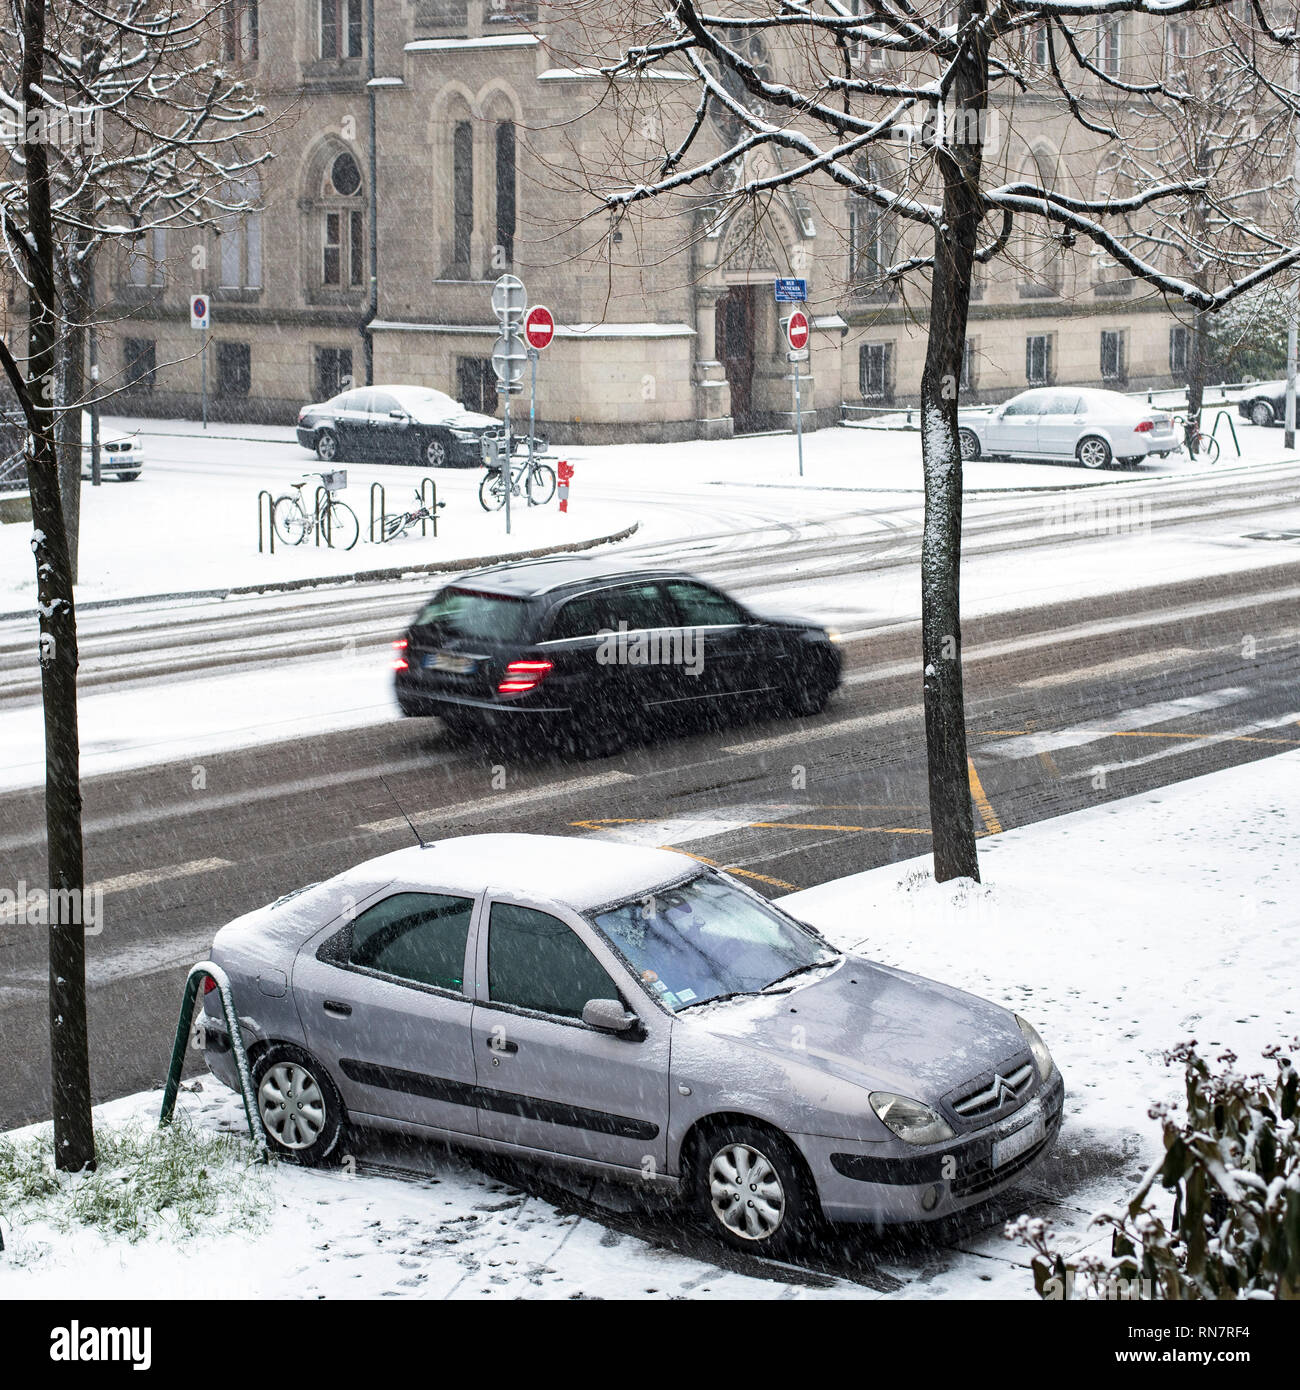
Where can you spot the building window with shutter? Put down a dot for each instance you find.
(234, 369)
(876, 372)
(1114, 366)
(1178, 349)
(1038, 359)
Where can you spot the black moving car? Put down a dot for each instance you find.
(1264, 403)
(595, 655)
(395, 424)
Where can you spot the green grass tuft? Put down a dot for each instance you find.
(175, 1180)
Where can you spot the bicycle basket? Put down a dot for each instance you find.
(335, 480)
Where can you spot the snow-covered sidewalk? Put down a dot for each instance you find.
(1118, 932)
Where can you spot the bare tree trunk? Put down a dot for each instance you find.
(74, 1138)
(951, 814)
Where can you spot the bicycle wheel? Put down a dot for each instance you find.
(1207, 449)
(290, 520)
(541, 484)
(394, 526)
(492, 491)
(341, 525)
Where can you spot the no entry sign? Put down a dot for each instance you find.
(539, 326)
(796, 330)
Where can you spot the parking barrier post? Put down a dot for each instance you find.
(206, 969)
(430, 504)
(383, 508)
(270, 521)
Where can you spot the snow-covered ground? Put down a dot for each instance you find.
(189, 523)
(1112, 964)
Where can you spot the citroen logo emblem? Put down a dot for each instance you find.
(1003, 1089)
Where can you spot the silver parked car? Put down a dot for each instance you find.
(120, 455)
(638, 1015)
(1093, 427)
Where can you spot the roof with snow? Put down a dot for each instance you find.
(579, 871)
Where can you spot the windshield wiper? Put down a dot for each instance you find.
(714, 998)
(800, 970)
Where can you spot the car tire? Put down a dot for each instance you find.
(1093, 452)
(808, 690)
(435, 453)
(308, 1133)
(1261, 413)
(969, 443)
(610, 725)
(751, 1189)
(327, 446)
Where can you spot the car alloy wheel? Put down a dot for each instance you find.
(746, 1193)
(292, 1106)
(970, 444)
(435, 453)
(300, 1108)
(1261, 413)
(1094, 452)
(327, 446)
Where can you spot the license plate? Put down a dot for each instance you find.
(451, 663)
(1024, 1139)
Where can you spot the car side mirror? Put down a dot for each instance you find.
(397, 415)
(609, 1016)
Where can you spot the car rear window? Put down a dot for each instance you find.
(457, 612)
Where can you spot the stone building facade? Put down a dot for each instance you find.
(487, 137)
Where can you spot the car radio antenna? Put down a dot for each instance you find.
(405, 817)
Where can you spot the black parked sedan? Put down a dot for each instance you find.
(395, 424)
(1264, 403)
(593, 655)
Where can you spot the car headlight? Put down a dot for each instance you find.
(1042, 1057)
(467, 435)
(913, 1122)
(833, 635)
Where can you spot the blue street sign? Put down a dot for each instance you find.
(791, 291)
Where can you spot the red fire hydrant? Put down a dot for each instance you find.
(564, 473)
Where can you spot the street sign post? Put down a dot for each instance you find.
(201, 319)
(509, 353)
(796, 332)
(791, 291)
(539, 330)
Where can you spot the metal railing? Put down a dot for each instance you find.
(270, 522)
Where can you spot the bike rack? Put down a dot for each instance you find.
(377, 487)
(430, 504)
(322, 518)
(270, 520)
(1224, 415)
(198, 973)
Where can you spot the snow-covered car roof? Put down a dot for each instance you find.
(582, 873)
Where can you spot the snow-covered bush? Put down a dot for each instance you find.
(1232, 1165)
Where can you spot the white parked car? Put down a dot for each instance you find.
(1081, 424)
(122, 455)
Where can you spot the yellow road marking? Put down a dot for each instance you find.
(982, 803)
(764, 825)
(732, 869)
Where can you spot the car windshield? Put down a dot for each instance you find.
(707, 939)
(484, 617)
(428, 398)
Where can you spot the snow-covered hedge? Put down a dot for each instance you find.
(1232, 1165)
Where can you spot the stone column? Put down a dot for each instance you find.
(712, 394)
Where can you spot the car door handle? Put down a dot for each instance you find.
(338, 1008)
(501, 1045)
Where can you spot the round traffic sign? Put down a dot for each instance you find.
(199, 307)
(797, 329)
(508, 298)
(508, 358)
(539, 326)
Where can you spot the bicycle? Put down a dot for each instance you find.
(538, 479)
(401, 522)
(1200, 447)
(335, 520)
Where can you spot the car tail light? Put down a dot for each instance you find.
(209, 984)
(1144, 427)
(522, 676)
(400, 663)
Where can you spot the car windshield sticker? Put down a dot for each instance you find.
(686, 995)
